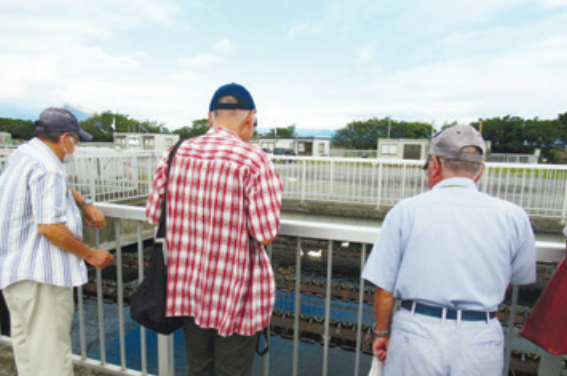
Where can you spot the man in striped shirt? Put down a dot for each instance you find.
(223, 205)
(42, 256)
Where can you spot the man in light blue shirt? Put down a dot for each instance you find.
(42, 256)
(448, 255)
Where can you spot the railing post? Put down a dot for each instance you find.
(360, 309)
(326, 336)
(564, 206)
(297, 308)
(165, 355)
(331, 179)
(379, 195)
(92, 181)
(549, 364)
(511, 328)
(303, 179)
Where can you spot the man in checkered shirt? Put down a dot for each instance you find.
(223, 206)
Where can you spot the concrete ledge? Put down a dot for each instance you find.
(540, 223)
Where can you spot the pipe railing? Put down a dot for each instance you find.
(332, 233)
(539, 189)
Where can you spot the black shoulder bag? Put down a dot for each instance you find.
(147, 306)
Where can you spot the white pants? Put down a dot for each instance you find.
(41, 324)
(428, 346)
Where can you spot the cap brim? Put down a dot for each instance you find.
(84, 135)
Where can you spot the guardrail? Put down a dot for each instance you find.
(546, 251)
(539, 189)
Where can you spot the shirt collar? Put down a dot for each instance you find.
(36, 143)
(456, 182)
(223, 132)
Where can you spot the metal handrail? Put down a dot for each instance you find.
(546, 251)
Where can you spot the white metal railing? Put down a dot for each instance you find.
(539, 189)
(547, 252)
(513, 158)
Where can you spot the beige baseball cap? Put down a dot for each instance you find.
(450, 142)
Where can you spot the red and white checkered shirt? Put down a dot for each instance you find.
(222, 192)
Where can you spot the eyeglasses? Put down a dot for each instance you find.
(255, 121)
(428, 162)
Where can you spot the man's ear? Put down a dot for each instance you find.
(477, 178)
(436, 166)
(210, 119)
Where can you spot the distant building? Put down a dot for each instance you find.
(403, 148)
(414, 149)
(144, 141)
(5, 139)
(302, 146)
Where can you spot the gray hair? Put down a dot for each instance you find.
(49, 136)
(235, 116)
(464, 168)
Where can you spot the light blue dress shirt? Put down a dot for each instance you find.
(453, 247)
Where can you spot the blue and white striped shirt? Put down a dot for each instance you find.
(34, 190)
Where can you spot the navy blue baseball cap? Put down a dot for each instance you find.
(239, 92)
(54, 119)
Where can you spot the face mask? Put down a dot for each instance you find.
(68, 157)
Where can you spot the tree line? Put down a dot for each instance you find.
(508, 134)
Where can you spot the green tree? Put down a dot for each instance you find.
(542, 134)
(562, 128)
(198, 128)
(282, 132)
(100, 126)
(507, 134)
(364, 134)
(19, 129)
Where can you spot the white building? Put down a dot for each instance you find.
(407, 148)
(403, 148)
(303, 146)
(144, 141)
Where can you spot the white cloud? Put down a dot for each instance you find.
(185, 76)
(364, 54)
(224, 46)
(307, 28)
(199, 60)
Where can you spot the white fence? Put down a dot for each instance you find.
(539, 189)
(302, 231)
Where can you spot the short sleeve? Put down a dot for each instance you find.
(153, 204)
(384, 262)
(524, 262)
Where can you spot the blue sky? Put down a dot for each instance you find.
(313, 63)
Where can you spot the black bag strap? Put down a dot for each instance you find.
(266, 348)
(162, 221)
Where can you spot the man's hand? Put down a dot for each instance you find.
(100, 258)
(94, 216)
(380, 348)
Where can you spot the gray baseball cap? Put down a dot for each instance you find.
(54, 119)
(450, 142)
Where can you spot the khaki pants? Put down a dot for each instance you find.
(41, 324)
(209, 354)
